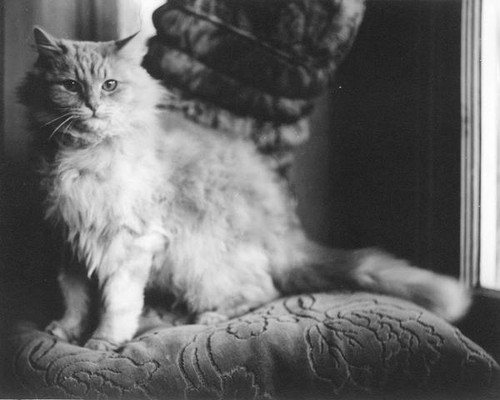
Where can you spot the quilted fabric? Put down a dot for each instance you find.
(343, 345)
(268, 59)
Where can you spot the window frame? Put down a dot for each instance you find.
(473, 193)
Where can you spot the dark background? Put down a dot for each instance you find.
(383, 166)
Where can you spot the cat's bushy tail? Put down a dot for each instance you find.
(375, 271)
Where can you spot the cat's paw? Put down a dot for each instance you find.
(61, 331)
(100, 344)
(210, 318)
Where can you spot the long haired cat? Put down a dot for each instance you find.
(146, 199)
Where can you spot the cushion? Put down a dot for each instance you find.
(324, 345)
(266, 58)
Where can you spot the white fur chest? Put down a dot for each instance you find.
(96, 192)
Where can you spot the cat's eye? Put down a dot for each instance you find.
(109, 85)
(71, 85)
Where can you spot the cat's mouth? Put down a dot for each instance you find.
(89, 130)
(94, 124)
(77, 127)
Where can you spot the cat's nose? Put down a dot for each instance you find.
(92, 102)
(93, 107)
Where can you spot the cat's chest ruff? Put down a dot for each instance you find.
(100, 188)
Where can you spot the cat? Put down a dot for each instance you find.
(147, 200)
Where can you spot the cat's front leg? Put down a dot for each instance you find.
(122, 291)
(75, 289)
(122, 303)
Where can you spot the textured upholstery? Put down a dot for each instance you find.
(268, 59)
(344, 345)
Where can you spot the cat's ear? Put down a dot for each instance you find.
(132, 47)
(45, 43)
(122, 43)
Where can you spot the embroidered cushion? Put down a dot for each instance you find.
(337, 345)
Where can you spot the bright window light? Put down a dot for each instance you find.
(490, 161)
(136, 15)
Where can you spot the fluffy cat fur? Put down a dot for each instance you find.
(147, 200)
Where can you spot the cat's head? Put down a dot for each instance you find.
(88, 90)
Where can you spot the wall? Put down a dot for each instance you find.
(383, 166)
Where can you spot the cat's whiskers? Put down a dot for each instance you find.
(70, 125)
(57, 118)
(68, 119)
